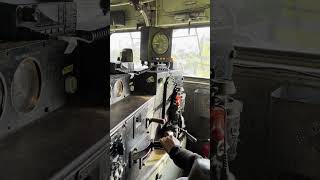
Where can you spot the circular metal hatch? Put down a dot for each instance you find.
(26, 86)
(2, 96)
(118, 88)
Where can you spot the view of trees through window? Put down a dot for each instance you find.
(190, 48)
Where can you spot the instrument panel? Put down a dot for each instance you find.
(128, 130)
(156, 44)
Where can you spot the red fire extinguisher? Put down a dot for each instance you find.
(217, 126)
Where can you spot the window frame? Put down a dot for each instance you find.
(177, 28)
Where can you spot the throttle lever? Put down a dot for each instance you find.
(156, 145)
(156, 120)
(189, 136)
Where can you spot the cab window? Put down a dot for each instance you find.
(190, 48)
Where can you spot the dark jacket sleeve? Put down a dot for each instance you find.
(183, 158)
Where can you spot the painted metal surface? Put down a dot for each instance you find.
(50, 92)
(165, 13)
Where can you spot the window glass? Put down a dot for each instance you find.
(190, 48)
(119, 41)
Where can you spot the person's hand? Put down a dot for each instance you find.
(169, 142)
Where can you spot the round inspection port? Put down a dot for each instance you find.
(119, 88)
(26, 86)
(2, 97)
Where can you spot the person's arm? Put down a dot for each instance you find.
(183, 158)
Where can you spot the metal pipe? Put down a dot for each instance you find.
(195, 82)
(120, 4)
(156, 21)
(145, 17)
(129, 3)
(278, 66)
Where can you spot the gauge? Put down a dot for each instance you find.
(26, 86)
(160, 43)
(118, 88)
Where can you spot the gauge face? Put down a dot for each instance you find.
(118, 88)
(160, 43)
(26, 86)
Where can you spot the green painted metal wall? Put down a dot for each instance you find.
(165, 13)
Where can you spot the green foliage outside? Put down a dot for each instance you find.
(191, 49)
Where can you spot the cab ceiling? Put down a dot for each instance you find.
(161, 13)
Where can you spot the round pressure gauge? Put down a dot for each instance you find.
(26, 86)
(160, 43)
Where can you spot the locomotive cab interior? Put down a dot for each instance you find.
(95, 89)
(159, 66)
